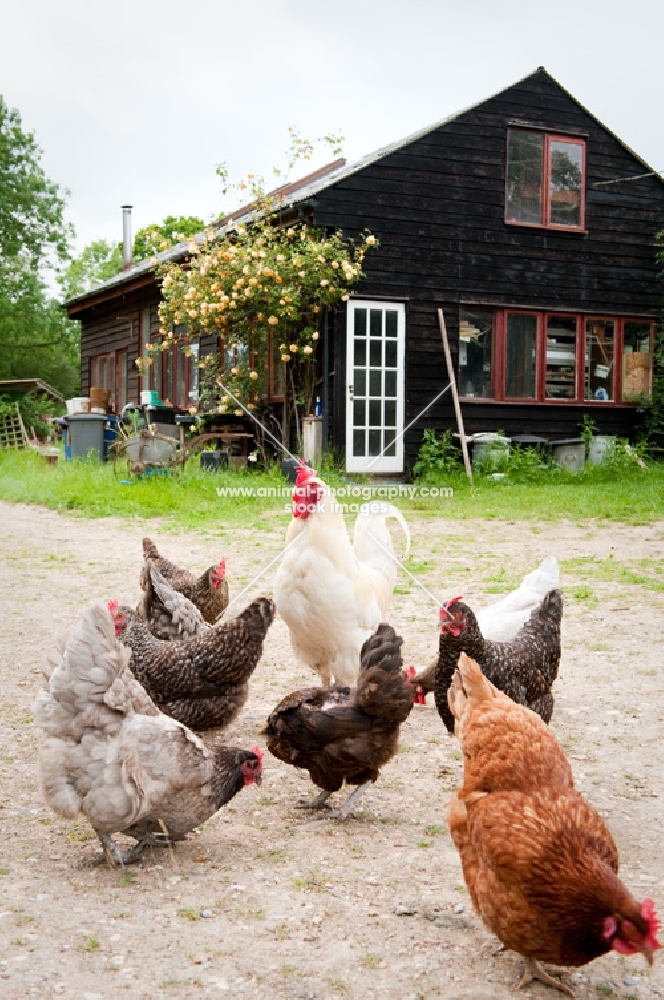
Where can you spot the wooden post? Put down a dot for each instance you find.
(455, 395)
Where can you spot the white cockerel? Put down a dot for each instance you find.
(333, 594)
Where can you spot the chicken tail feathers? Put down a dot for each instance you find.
(150, 550)
(383, 691)
(259, 615)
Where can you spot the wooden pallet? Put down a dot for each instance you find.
(12, 430)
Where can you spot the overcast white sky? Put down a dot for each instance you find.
(137, 101)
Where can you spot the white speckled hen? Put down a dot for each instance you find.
(209, 591)
(111, 755)
(167, 612)
(524, 669)
(203, 681)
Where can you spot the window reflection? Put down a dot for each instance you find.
(475, 353)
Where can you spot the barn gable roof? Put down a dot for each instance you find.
(326, 177)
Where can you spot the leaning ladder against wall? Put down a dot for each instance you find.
(12, 430)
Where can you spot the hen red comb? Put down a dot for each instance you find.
(453, 601)
(221, 569)
(304, 474)
(649, 913)
(410, 673)
(112, 607)
(257, 750)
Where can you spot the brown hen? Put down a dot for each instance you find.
(346, 734)
(539, 862)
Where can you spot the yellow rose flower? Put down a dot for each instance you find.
(324, 282)
(272, 320)
(293, 348)
(302, 274)
(370, 240)
(238, 413)
(308, 350)
(314, 335)
(285, 357)
(253, 375)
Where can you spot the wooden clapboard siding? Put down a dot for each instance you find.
(437, 206)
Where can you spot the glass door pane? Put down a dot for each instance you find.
(560, 382)
(600, 354)
(637, 359)
(374, 418)
(521, 357)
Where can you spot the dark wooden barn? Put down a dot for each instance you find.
(526, 220)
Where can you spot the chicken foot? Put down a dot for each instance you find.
(115, 856)
(533, 970)
(347, 808)
(319, 802)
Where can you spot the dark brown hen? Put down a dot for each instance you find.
(524, 669)
(203, 681)
(209, 591)
(346, 734)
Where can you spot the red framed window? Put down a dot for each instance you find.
(545, 180)
(520, 355)
(109, 371)
(174, 373)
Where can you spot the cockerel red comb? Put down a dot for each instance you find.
(304, 474)
(410, 673)
(257, 750)
(112, 607)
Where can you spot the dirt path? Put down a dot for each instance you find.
(374, 908)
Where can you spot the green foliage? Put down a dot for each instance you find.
(32, 223)
(33, 408)
(36, 338)
(189, 500)
(155, 238)
(99, 261)
(258, 283)
(438, 457)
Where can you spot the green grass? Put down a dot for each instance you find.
(190, 500)
(646, 573)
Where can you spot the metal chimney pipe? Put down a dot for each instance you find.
(127, 245)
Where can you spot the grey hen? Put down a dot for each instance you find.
(168, 613)
(111, 755)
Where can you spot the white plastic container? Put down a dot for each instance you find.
(79, 404)
(600, 448)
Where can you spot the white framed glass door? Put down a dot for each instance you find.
(375, 339)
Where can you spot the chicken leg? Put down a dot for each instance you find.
(347, 808)
(533, 970)
(115, 856)
(319, 802)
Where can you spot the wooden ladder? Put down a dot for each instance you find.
(12, 430)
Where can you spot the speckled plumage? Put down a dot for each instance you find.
(111, 755)
(167, 612)
(210, 600)
(202, 681)
(524, 669)
(346, 734)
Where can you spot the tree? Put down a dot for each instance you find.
(259, 286)
(101, 260)
(36, 338)
(97, 262)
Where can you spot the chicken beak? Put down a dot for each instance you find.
(258, 781)
(647, 952)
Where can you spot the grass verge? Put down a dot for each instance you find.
(191, 499)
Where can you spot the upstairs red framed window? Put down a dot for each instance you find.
(545, 180)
